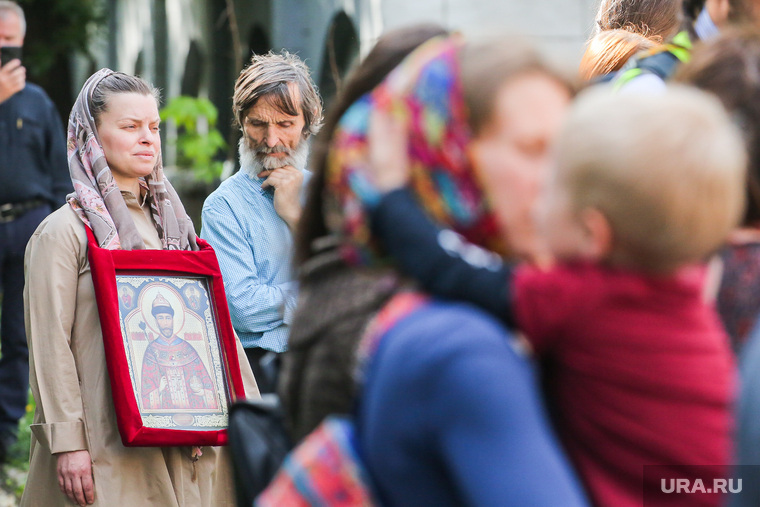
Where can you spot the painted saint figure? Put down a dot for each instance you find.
(193, 297)
(173, 376)
(126, 297)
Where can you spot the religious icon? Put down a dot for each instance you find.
(170, 349)
(173, 375)
(193, 297)
(174, 356)
(126, 296)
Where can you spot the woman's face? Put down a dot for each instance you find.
(512, 154)
(128, 131)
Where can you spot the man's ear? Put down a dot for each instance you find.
(599, 233)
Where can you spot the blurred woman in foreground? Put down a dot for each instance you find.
(449, 412)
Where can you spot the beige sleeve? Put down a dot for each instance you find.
(249, 382)
(52, 264)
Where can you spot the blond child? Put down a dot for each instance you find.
(638, 368)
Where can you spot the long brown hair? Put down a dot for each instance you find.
(609, 50)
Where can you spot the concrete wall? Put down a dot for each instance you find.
(154, 37)
(560, 26)
(301, 26)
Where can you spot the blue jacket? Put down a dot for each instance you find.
(451, 414)
(33, 162)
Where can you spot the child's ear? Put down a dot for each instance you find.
(599, 234)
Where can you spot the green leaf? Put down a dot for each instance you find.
(196, 151)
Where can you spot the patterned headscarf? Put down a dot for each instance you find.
(97, 199)
(424, 93)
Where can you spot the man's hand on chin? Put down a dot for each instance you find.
(286, 182)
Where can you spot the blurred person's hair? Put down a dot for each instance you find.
(271, 76)
(114, 84)
(744, 12)
(666, 170)
(7, 6)
(729, 67)
(658, 20)
(487, 66)
(609, 50)
(391, 48)
(692, 8)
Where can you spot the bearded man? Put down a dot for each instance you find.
(250, 218)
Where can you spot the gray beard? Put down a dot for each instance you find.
(253, 165)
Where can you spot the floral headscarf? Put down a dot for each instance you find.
(97, 199)
(425, 93)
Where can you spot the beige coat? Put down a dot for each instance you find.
(70, 383)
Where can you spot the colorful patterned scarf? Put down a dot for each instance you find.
(425, 93)
(97, 199)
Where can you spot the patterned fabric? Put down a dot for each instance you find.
(97, 199)
(325, 469)
(739, 293)
(188, 383)
(424, 93)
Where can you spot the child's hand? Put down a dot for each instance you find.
(388, 153)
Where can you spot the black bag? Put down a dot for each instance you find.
(258, 445)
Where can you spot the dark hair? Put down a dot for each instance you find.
(729, 67)
(118, 82)
(390, 50)
(269, 76)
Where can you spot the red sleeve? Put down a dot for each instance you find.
(545, 303)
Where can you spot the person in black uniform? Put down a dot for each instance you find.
(34, 179)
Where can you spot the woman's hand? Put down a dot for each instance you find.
(389, 166)
(75, 476)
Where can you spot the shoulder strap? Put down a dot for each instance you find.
(661, 61)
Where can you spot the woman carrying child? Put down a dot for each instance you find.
(638, 368)
(449, 412)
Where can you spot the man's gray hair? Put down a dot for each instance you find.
(8, 6)
(270, 75)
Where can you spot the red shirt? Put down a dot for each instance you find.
(638, 372)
